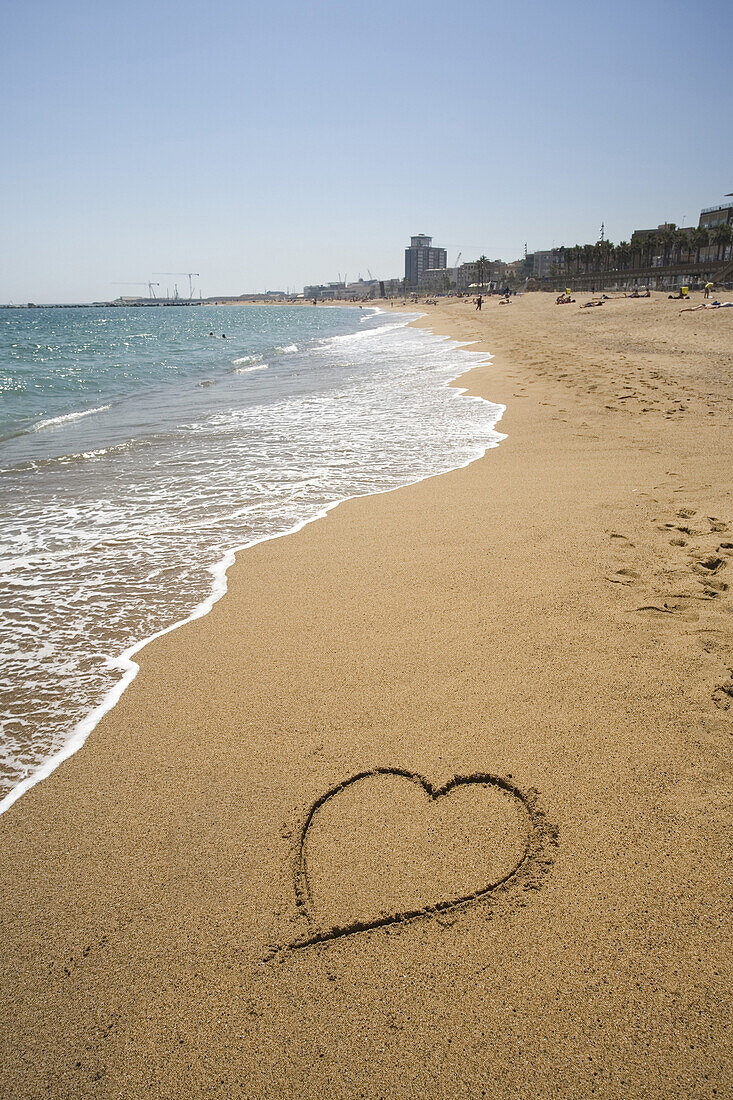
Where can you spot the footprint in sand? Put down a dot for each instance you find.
(676, 608)
(723, 695)
(709, 565)
(623, 576)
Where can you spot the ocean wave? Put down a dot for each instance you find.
(29, 465)
(247, 359)
(352, 337)
(254, 366)
(53, 421)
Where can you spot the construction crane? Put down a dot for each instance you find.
(189, 274)
(457, 259)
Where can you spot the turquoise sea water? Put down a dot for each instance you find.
(68, 362)
(137, 451)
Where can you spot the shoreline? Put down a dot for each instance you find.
(555, 614)
(129, 668)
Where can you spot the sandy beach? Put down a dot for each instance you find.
(436, 801)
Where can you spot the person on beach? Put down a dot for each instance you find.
(706, 305)
(479, 302)
(708, 288)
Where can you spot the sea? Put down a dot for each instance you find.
(141, 447)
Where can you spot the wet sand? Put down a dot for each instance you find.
(527, 663)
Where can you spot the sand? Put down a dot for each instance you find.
(527, 663)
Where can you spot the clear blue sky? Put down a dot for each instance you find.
(267, 145)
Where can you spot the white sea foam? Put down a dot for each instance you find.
(351, 337)
(253, 367)
(53, 421)
(247, 359)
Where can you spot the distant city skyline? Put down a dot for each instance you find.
(276, 146)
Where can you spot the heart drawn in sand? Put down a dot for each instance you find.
(385, 847)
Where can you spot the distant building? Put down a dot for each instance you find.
(544, 262)
(324, 291)
(436, 280)
(517, 269)
(420, 256)
(639, 236)
(654, 249)
(392, 288)
(466, 274)
(361, 289)
(710, 216)
(472, 276)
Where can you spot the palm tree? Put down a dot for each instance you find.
(681, 244)
(722, 235)
(700, 240)
(728, 235)
(636, 250)
(623, 255)
(667, 241)
(652, 244)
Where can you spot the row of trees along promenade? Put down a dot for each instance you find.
(657, 254)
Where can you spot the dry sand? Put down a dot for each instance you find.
(551, 625)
